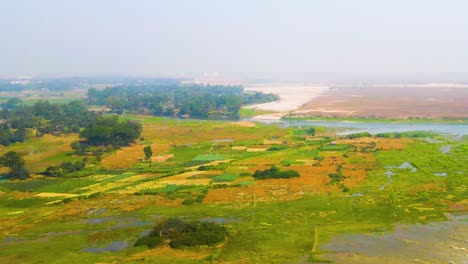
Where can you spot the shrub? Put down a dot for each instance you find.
(274, 173)
(65, 167)
(188, 202)
(184, 234)
(198, 234)
(278, 147)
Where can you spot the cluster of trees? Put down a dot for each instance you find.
(16, 163)
(195, 101)
(184, 234)
(249, 98)
(106, 133)
(275, 173)
(103, 131)
(411, 134)
(18, 122)
(65, 167)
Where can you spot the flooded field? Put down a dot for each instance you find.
(437, 242)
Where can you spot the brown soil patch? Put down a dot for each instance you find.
(402, 101)
(244, 124)
(162, 158)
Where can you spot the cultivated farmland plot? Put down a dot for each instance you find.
(360, 185)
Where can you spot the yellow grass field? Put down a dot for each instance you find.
(52, 195)
(40, 153)
(129, 156)
(239, 147)
(256, 149)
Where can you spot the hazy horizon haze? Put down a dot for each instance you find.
(296, 39)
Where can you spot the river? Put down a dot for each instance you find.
(347, 127)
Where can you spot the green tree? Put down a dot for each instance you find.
(109, 131)
(148, 154)
(15, 162)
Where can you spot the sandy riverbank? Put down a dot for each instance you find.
(292, 97)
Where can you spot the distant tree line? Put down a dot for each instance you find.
(194, 101)
(70, 83)
(17, 121)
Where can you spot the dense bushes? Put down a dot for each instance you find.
(65, 167)
(184, 234)
(359, 135)
(278, 147)
(275, 173)
(412, 134)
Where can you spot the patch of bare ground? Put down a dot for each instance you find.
(129, 156)
(400, 102)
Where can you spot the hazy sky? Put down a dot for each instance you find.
(235, 37)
